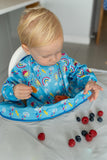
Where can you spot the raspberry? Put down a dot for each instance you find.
(71, 142)
(88, 137)
(100, 113)
(93, 133)
(60, 98)
(41, 136)
(85, 120)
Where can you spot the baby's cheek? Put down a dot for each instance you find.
(59, 57)
(46, 62)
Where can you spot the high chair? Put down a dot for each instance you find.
(17, 56)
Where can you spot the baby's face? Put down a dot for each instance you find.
(48, 55)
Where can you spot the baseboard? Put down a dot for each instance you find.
(74, 39)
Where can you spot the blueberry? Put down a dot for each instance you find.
(78, 138)
(91, 115)
(91, 119)
(78, 119)
(99, 119)
(84, 132)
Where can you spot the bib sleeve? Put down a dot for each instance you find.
(16, 77)
(80, 74)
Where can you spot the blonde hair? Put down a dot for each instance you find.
(38, 27)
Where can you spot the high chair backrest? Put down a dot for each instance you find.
(17, 56)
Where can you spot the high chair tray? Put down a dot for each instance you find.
(18, 112)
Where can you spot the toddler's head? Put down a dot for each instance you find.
(41, 35)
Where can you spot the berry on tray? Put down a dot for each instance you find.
(99, 119)
(93, 133)
(78, 119)
(84, 132)
(88, 137)
(91, 119)
(85, 120)
(91, 115)
(78, 138)
(100, 113)
(71, 142)
(41, 136)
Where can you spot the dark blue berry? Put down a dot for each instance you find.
(78, 138)
(99, 119)
(78, 119)
(91, 119)
(91, 115)
(84, 132)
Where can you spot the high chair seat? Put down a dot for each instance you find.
(17, 56)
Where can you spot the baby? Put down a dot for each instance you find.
(45, 71)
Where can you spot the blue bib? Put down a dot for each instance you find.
(66, 77)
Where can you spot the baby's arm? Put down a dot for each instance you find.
(15, 87)
(80, 74)
(85, 78)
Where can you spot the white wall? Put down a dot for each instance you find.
(5, 47)
(75, 17)
(13, 18)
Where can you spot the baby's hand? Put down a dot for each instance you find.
(22, 91)
(94, 88)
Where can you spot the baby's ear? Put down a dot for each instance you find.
(26, 49)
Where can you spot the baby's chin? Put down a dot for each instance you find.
(48, 64)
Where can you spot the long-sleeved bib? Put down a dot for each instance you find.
(66, 77)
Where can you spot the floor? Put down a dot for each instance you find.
(94, 56)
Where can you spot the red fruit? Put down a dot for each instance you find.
(60, 98)
(41, 136)
(85, 120)
(100, 113)
(88, 137)
(93, 133)
(71, 142)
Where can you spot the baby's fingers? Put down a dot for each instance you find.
(99, 87)
(92, 86)
(26, 97)
(26, 88)
(87, 88)
(25, 92)
(90, 98)
(23, 96)
(94, 95)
